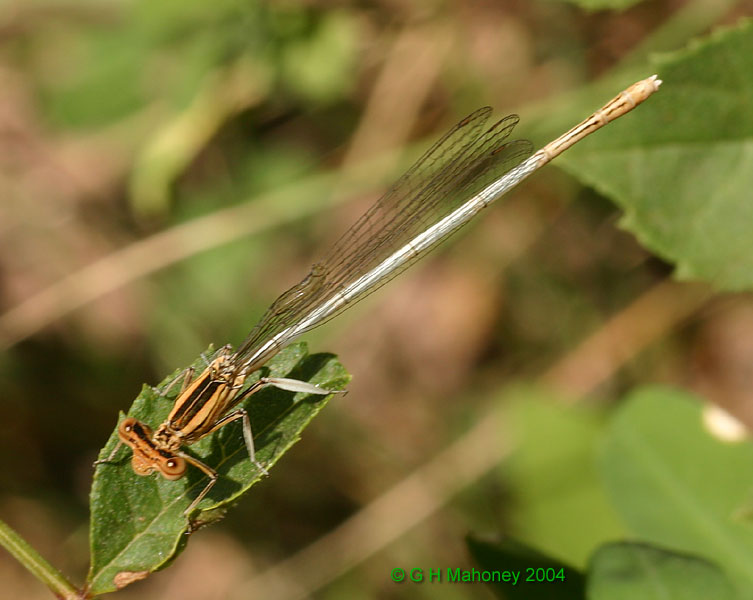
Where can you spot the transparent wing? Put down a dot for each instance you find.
(462, 163)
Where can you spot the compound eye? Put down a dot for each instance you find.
(173, 467)
(131, 429)
(126, 426)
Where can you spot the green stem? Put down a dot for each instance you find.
(38, 566)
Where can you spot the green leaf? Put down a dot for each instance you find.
(677, 486)
(137, 523)
(625, 571)
(539, 576)
(594, 5)
(559, 506)
(319, 66)
(106, 83)
(681, 165)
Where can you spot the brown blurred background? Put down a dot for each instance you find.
(167, 169)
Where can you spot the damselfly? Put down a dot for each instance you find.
(466, 170)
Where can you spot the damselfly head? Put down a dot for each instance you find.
(170, 467)
(147, 458)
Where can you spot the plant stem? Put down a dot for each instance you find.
(38, 566)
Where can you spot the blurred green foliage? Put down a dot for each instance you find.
(124, 121)
(623, 571)
(146, 53)
(682, 174)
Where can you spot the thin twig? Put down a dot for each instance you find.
(38, 566)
